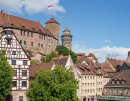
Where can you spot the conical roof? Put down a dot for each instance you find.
(66, 32)
(7, 23)
(52, 20)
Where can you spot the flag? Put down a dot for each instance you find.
(49, 7)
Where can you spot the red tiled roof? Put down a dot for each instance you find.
(128, 63)
(61, 61)
(92, 55)
(84, 69)
(66, 34)
(52, 20)
(105, 68)
(80, 54)
(66, 29)
(34, 68)
(122, 75)
(24, 24)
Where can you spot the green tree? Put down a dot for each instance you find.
(43, 60)
(50, 56)
(65, 51)
(33, 62)
(6, 75)
(53, 85)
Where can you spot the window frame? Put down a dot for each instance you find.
(15, 83)
(23, 83)
(13, 62)
(24, 74)
(25, 62)
(13, 52)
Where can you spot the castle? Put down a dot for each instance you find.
(34, 38)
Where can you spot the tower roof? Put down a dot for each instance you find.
(7, 23)
(66, 29)
(66, 32)
(52, 20)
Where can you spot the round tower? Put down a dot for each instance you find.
(53, 26)
(66, 38)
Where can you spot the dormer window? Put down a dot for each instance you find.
(118, 82)
(9, 32)
(121, 91)
(8, 41)
(113, 82)
(122, 81)
(126, 91)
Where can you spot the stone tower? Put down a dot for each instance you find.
(66, 38)
(53, 26)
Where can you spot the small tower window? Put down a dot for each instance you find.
(31, 43)
(31, 34)
(8, 42)
(8, 32)
(24, 33)
(44, 37)
(24, 42)
(21, 32)
(38, 44)
(20, 41)
(28, 34)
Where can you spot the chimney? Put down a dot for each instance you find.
(118, 68)
(89, 63)
(128, 53)
(1, 11)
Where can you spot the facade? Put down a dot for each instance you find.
(66, 38)
(118, 88)
(90, 82)
(35, 39)
(19, 60)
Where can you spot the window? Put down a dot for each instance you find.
(107, 90)
(31, 43)
(82, 84)
(21, 98)
(14, 52)
(14, 83)
(13, 62)
(39, 36)
(21, 33)
(8, 41)
(121, 91)
(24, 83)
(24, 42)
(20, 41)
(116, 90)
(24, 62)
(101, 83)
(90, 90)
(113, 82)
(85, 84)
(82, 77)
(42, 45)
(5, 32)
(44, 37)
(38, 44)
(28, 34)
(85, 77)
(90, 84)
(82, 91)
(31, 34)
(118, 82)
(24, 73)
(8, 32)
(93, 77)
(85, 91)
(24, 33)
(15, 72)
(93, 84)
(111, 90)
(49, 45)
(49, 40)
(90, 77)
(93, 90)
(126, 91)
(122, 82)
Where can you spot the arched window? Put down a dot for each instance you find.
(21, 98)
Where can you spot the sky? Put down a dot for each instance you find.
(101, 27)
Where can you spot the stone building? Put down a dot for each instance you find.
(35, 39)
(66, 38)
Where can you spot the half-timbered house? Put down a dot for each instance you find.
(19, 60)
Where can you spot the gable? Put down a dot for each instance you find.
(125, 67)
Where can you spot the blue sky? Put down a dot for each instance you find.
(101, 27)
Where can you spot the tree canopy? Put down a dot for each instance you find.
(53, 85)
(6, 75)
(49, 57)
(65, 51)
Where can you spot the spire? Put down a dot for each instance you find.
(66, 29)
(7, 23)
(52, 20)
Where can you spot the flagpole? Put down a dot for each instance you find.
(52, 11)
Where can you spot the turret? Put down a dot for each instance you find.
(66, 38)
(53, 26)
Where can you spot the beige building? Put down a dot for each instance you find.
(90, 82)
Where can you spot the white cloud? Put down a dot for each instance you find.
(106, 41)
(31, 6)
(119, 53)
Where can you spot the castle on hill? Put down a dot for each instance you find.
(36, 40)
